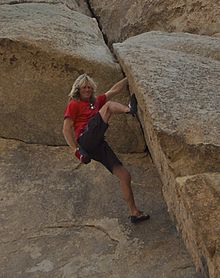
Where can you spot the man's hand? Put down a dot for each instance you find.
(82, 155)
(77, 153)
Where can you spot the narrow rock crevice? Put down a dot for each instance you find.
(17, 2)
(146, 150)
(183, 267)
(98, 21)
(30, 143)
(71, 225)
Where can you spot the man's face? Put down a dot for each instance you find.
(85, 91)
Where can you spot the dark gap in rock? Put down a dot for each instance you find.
(205, 269)
(146, 150)
(31, 143)
(97, 18)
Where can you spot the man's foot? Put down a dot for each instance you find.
(133, 105)
(135, 219)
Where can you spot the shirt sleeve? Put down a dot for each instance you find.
(101, 99)
(71, 110)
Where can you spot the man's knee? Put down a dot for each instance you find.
(105, 111)
(108, 105)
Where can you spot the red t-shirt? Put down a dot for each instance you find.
(80, 112)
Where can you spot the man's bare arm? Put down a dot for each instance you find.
(117, 88)
(68, 133)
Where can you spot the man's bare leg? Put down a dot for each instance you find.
(111, 107)
(125, 182)
(120, 171)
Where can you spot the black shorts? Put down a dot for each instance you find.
(93, 142)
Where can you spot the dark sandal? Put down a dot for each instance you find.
(133, 105)
(139, 218)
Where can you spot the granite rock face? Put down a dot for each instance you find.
(43, 48)
(80, 6)
(123, 19)
(63, 219)
(59, 217)
(176, 78)
(200, 195)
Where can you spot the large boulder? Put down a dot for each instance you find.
(176, 78)
(200, 195)
(63, 219)
(43, 48)
(123, 19)
(80, 6)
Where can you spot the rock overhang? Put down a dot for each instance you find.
(177, 87)
(55, 27)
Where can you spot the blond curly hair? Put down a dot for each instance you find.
(79, 82)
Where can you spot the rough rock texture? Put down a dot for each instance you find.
(200, 194)
(80, 6)
(123, 19)
(43, 48)
(176, 78)
(62, 219)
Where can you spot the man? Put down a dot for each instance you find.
(86, 119)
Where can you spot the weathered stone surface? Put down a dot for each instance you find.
(123, 19)
(176, 78)
(200, 194)
(62, 219)
(80, 6)
(43, 49)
